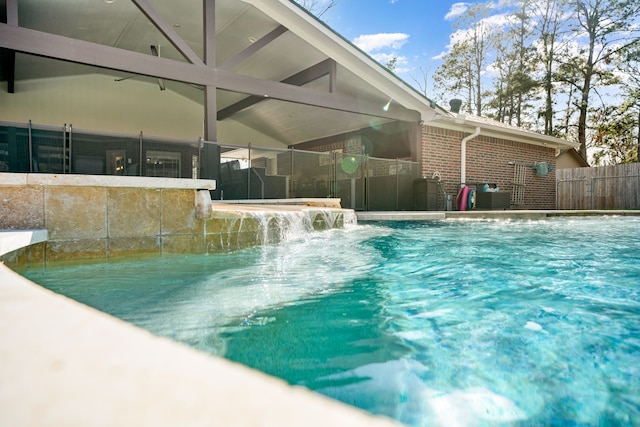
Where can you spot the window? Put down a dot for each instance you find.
(165, 164)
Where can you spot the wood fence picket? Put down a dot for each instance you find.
(603, 187)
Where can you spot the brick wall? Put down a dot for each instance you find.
(488, 161)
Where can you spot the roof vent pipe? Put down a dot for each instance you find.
(455, 105)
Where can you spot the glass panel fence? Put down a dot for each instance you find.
(311, 174)
(391, 184)
(243, 172)
(349, 185)
(25, 148)
(96, 154)
(270, 175)
(233, 178)
(170, 159)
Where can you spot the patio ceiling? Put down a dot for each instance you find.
(253, 50)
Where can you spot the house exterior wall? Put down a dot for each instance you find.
(568, 160)
(488, 160)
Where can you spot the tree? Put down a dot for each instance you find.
(455, 77)
(614, 137)
(609, 28)
(630, 67)
(317, 7)
(549, 15)
(392, 64)
(424, 80)
(464, 65)
(515, 64)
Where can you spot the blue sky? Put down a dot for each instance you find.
(415, 31)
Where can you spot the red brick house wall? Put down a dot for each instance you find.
(488, 160)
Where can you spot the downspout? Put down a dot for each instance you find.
(463, 155)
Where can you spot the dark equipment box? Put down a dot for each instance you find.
(493, 200)
(425, 194)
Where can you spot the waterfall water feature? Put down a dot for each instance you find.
(238, 226)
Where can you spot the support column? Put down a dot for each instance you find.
(210, 160)
(12, 19)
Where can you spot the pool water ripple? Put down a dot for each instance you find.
(468, 323)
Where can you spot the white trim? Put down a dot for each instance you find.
(462, 124)
(15, 179)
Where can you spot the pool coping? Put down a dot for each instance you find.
(110, 181)
(66, 364)
(13, 240)
(482, 214)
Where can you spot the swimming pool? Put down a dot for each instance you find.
(432, 323)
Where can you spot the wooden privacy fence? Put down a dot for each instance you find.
(604, 187)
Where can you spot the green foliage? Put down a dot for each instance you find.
(392, 64)
(615, 137)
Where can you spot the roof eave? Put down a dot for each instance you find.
(459, 123)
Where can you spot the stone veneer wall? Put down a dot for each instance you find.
(101, 217)
(488, 161)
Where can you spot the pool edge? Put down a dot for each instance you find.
(480, 214)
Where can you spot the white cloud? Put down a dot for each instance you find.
(375, 42)
(402, 63)
(491, 24)
(496, 21)
(457, 9)
(501, 4)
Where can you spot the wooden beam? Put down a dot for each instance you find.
(333, 77)
(12, 12)
(253, 48)
(11, 71)
(67, 49)
(83, 52)
(302, 95)
(210, 98)
(168, 31)
(300, 79)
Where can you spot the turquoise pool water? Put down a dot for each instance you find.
(444, 323)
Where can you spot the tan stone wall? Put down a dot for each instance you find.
(100, 220)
